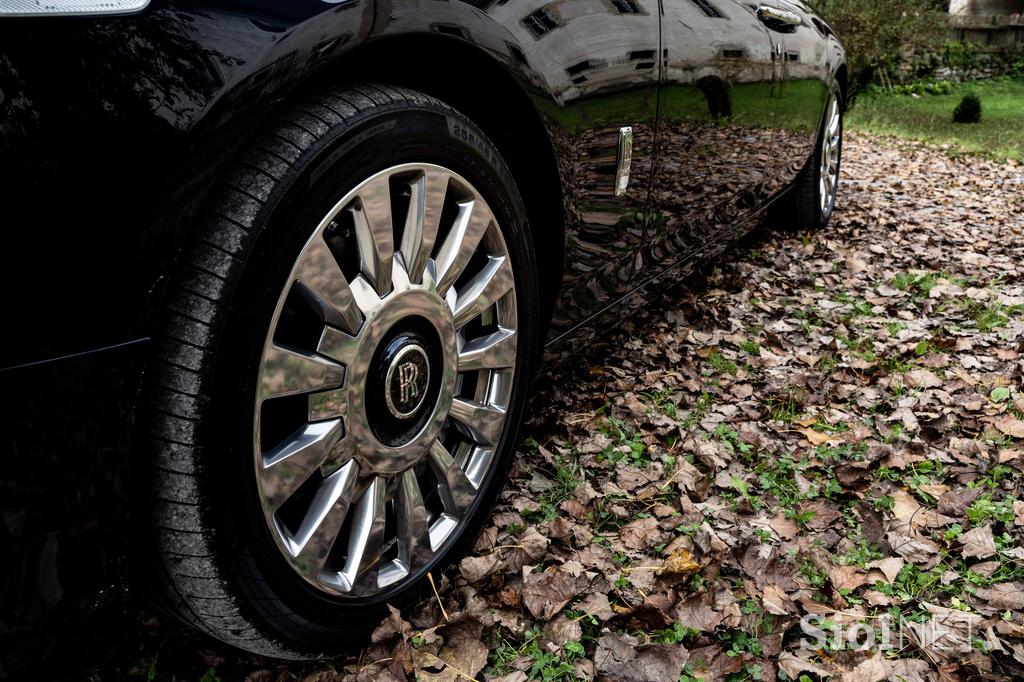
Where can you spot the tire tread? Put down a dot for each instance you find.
(190, 580)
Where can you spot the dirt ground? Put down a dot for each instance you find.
(806, 462)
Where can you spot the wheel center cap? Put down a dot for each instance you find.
(407, 380)
(402, 394)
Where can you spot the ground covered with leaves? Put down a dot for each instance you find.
(815, 446)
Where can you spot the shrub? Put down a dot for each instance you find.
(968, 111)
(877, 32)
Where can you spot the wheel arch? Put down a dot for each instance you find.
(843, 78)
(493, 98)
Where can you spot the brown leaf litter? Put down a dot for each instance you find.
(826, 425)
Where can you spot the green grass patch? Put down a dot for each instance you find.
(699, 410)
(626, 444)
(661, 401)
(567, 477)
(988, 315)
(920, 284)
(545, 665)
(720, 364)
(750, 347)
(784, 409)
(985, 509)
(929, 118)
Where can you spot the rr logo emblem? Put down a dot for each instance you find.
(407, 385)
(407, 381)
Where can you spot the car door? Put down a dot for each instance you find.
(596, 66)
(716, 125)
(799, 39)
(590, 69)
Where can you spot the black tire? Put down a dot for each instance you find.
(802, 208)
(212, 559)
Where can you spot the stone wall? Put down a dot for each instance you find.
(967, 65)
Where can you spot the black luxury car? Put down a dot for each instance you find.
(277, 274)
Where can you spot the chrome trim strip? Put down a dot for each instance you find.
(65, 8)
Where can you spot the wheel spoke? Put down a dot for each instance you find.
(477, 464)
(426, 200)
(375, 234)
(288, 371)
(482, 422)
(365, 295)
(324, 287)
(327, 405)
(833, 124)
(494, 351)
(470, 224)
(288, 465)
(337, 345)
(340, 454)
(312, 542)
(365, 542)
(481, 292)
(456, 490)
(414, 550)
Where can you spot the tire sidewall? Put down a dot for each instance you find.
(380, 138)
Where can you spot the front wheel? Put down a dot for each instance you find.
(342, 372)
(812, 198)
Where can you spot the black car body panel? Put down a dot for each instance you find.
(112, 129)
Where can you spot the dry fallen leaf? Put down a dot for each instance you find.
(1009, 425)
(680, 563)
(621, 657)
(816, 438)
(547, 593)
(978, 542)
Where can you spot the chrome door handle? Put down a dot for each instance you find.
(623, 161)
(774, 17)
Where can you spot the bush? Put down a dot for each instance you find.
(968, 111)
(877, 32)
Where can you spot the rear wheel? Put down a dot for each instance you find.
(812, 198)
(341, 372)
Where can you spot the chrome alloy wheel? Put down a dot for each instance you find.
(831, 141)
(384, 381)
